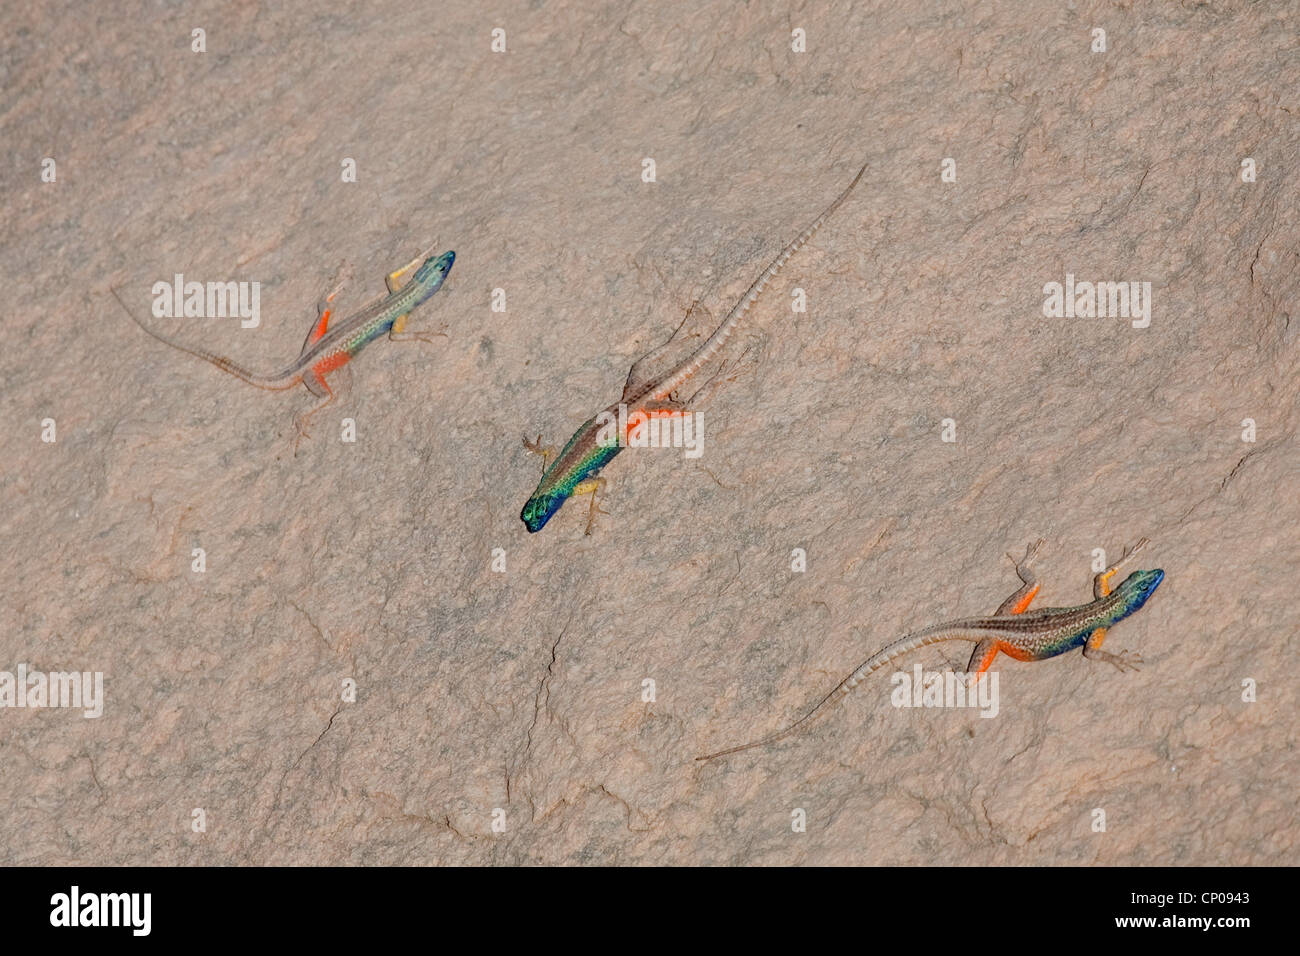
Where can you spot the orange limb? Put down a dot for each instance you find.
(330, 364)
(636, 420)
(1023, 604)
(324, 310)
(322, 326)
(982, 659)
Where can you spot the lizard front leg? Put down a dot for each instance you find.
(395, 281)
(1101, 583)
(590, 487)
(1124, 660)
(537, 448)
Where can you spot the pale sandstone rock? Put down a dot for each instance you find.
(521, 691)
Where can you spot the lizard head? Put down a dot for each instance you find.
(1139, 586)
(432, 272)
(538, 510)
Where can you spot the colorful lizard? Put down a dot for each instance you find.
(575, 470)
(1025, 637)
(329, 349)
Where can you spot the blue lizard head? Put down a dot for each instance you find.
(432, 272)
(538, 510)
(1139, 586)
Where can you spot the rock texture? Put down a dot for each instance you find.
(515, 697)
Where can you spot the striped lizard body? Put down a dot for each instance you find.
(327, 348)
(1034, 636)
(576, 469)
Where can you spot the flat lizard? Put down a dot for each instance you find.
(1035, 636)
(328, 349)
(575, 470)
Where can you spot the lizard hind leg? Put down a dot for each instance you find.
(324, 309)
(721, 376)
(638, 420)
(985, 651)
(316, 384)
(639, 374)
(1019, 602)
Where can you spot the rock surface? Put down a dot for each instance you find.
(515, 697)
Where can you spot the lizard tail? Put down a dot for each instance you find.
(951, 631)
(283, 380)
(674, 379)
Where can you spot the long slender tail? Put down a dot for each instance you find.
(950, 631)
(682, 373)
(286, 379)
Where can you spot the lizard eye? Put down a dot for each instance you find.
(538, 511)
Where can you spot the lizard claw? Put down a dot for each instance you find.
(397, 335)
(537, 448)
(1129, 552)
(1126, 660)
(1031, 552)
(300, 426)
(591, 517)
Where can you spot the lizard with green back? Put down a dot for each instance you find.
(576, 470)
